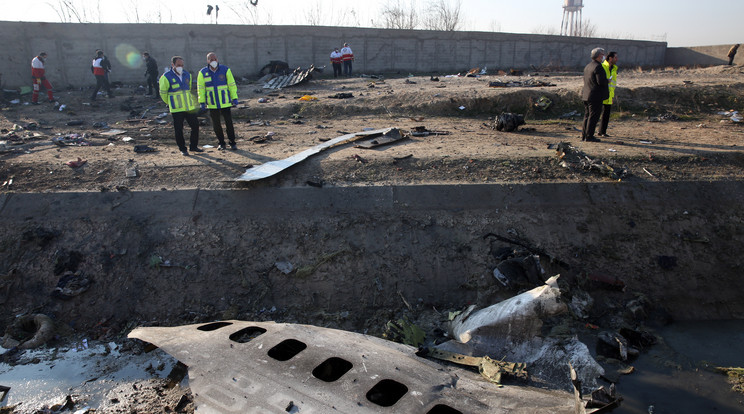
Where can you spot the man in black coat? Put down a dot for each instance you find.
(151, 73)
(594, 92)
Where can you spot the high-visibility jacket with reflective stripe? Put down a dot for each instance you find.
(216, 88)
(37, 67)
(347, 54)
(98, 70)
(335, 57)
(177, 92)
(611, 80)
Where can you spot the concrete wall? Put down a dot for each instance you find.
(248, 48)
(700, 55)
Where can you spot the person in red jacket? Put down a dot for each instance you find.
(39, 78)
(347, 56)
(336, 62)
(100, 68)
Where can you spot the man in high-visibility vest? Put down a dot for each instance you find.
(610, 68)
(219, 93)
(347, 56)
(38, 76)
(175, 91)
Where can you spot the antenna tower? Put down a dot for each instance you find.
(571, 24)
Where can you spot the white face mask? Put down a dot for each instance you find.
(179, 70)
(213, 64)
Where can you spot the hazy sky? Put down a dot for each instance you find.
(678, 22)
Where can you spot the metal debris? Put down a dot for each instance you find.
(297, 77)
(237, 366)
(529, 83)
(270, 168)
(393, 135)
(490, 369)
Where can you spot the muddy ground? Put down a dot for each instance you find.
(667, 128)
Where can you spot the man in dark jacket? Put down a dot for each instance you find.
(151, 73)
(732, 53)
(594, 92)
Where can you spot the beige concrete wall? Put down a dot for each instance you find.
(701, 55)
(247, 48)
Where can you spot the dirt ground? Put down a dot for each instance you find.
(665, 126)
(668, 125)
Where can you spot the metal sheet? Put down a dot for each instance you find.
(297, 77)
(270, 168)
(233, 372)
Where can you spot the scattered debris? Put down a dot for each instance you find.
(570, 156)
(404, 332)
(421, 131)
(274, 67)
(601, 400)
(342, 95)
(391, 136)
(308, 98)
(570, 115)
(71, 284)
(509, 122)
(76, 163)
(507, 319)
(375, 374)
(529, 83)
(143, 149)
(113, 132)
(273, 167)
(543, 103)
(75, 122)
(70, 140)
(732, 115)
(284, 267)
(297, 77)
(28, 332)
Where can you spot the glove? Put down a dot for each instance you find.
(235, 102)
(203, 106)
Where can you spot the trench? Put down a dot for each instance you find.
(354, 257)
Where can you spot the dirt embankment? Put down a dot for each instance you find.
(676, 137)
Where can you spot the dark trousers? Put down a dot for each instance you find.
(592, 111)
(178, 118)
(347, 67)
(101, 83)
(152, 82)
(605, 118)
(731, 60)
(336, 70)
(227, 116)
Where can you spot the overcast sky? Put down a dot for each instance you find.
(678, 22)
